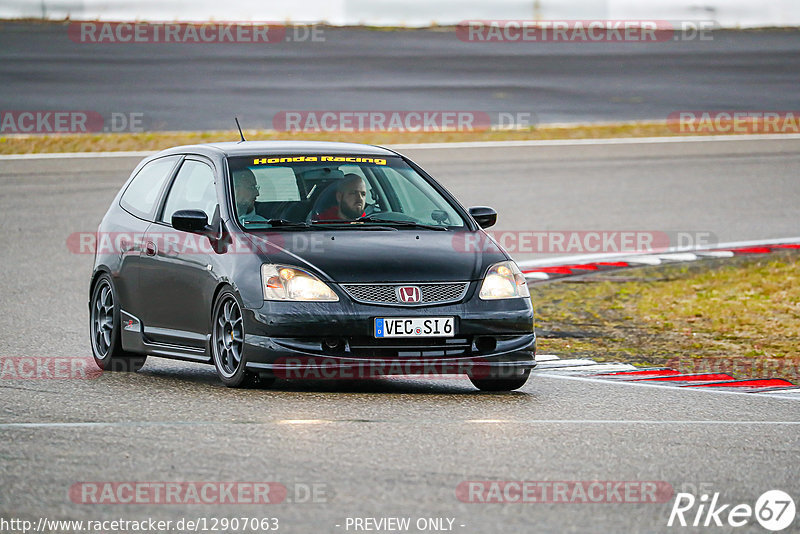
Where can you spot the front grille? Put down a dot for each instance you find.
(406, 348)
(437, 293)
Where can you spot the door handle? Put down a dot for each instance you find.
(150, 248)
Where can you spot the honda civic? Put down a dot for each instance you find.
(305, 260)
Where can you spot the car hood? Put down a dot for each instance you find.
(367, 256)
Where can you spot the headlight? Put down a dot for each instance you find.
(288, 283)
(504, 280)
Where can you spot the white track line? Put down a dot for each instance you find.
(609, 141)
(537, 276)
(644, 260)
(584, 369)
(561, 363)
(11, 426)
(678, 256)
(631, 422)
(716, 253)
(73, 155)
(474, 144)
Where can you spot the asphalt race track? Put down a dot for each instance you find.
(393, 447)
(185, 86)
(728, 190)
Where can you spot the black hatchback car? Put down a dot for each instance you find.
(305, 260)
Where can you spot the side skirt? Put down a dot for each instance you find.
(134, 340)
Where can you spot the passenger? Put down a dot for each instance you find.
(351, 199)
(245, 189)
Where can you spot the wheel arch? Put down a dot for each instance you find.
(100, 271)
(224, 284)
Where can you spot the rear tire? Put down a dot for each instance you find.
(501, 381)
(105, 330)
(227, 342)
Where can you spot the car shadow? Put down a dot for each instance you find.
(422, 385)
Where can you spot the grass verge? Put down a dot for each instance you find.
(738, 315)
(105, 142)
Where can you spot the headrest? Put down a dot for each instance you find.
(322, 173)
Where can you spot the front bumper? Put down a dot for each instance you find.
(310, 339)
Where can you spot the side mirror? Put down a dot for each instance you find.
(193, 221)
(483, 215)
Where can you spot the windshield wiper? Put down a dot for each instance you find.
(410, 224)
(280, 222)
(323, 224)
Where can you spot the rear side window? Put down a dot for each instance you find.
(193, 189)
(142, 193)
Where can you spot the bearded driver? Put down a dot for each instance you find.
(351, 199)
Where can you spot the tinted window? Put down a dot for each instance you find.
(276, 184)
(141, 195)
(415, 197)
(322, 189)
(193, 189)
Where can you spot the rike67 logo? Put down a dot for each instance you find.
(774, 510)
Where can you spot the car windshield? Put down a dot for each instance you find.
(336, 191)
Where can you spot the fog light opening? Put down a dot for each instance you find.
(333, 343)
(485, 344)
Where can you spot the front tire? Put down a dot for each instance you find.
(500, 381)
(227, 341)
(104, 328)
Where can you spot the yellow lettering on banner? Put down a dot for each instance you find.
(306, 159)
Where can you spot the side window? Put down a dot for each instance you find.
(412, 200)
(193, 189)
(418, 199)
(142, 193)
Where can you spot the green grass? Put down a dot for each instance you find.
(90, 142)
(740, 316)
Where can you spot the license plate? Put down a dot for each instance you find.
(414, 327)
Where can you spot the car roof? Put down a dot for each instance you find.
(255, 148)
